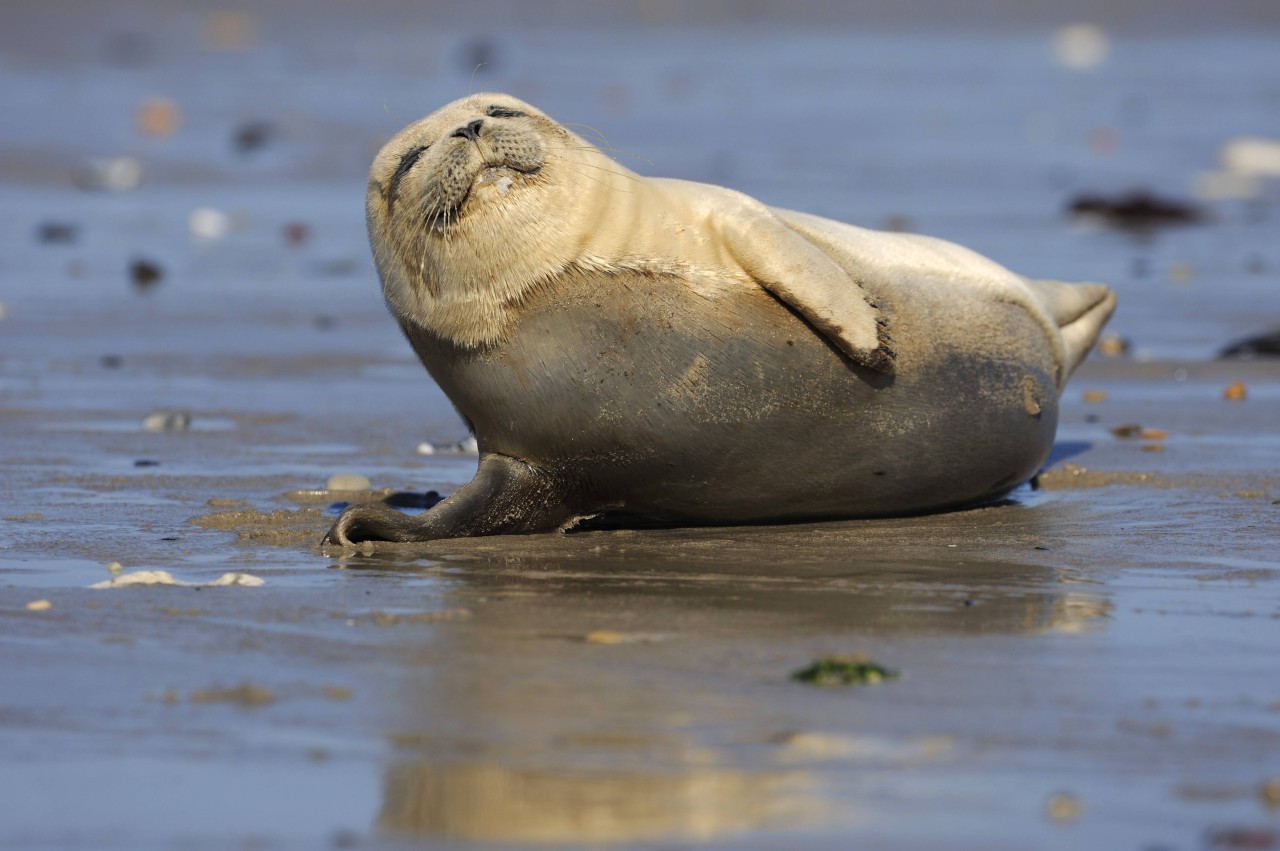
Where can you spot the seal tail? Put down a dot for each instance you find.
(1080, 311)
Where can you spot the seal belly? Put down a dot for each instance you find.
(709, 400)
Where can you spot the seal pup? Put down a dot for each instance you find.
(683, 353)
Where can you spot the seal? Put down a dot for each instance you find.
(682, 353)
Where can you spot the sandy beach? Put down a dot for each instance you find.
(192, 343)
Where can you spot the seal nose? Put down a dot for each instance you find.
(470, 131)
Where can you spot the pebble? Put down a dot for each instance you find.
(426, 448)
(110, 174)
(1080, 46)
(208, 223)
(232, 31)
(145, 274)
(158, 421)
(347, 482)
(158, 117)
(1113, 346)
(1095, 396)
(297, 234)
(253, 135)
(39, 606)
(1235, 392)
(57, 233)
(1252, 155)
(1269, 792)
(1062, 807)
(1129, 430)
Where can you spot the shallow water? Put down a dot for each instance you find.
(1089, 665)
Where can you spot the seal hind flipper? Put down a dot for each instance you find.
(1080, 311)
(506, 497)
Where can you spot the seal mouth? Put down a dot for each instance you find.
(441, 218)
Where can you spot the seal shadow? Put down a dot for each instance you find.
(1065, 449)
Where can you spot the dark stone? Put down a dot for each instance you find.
(1264, 345)
(145, 274)
(1137, 210)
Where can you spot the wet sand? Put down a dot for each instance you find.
(1090, 664)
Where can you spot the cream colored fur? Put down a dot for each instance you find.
(462, 277)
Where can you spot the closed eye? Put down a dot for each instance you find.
(503, 112)
(407, 161)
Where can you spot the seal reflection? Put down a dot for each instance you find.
(516, 724)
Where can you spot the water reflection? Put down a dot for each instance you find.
(497, 803)
(516, 724)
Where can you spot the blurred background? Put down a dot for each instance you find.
(209, 148)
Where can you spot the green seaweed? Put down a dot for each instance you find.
(843, 671)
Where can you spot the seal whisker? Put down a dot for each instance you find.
(605, 169)
(612, 150)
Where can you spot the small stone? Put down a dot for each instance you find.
(231, 31)
(347, 482)
(114, 568)
(1063, 807)
(146, 462)
(426, 448)
(1269, 793)
(1113, 346)
(111, 361)
(1094, 397)
(1133, 430)
(39, 606)
(208, 223)
(57, 233)
(158, 421)
(158, 117)
(604, 636)
(110, 174)
(248, 695)
(1080, 46)
(1235, 392)
(469, 446)
(297, 234)
(252, 136)
(145, 274)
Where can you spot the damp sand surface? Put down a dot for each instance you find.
(1089, 664)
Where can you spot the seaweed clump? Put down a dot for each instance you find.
(843, 671)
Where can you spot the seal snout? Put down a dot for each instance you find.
(470, 130)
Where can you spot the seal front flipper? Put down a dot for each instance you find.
(801, 276)
(506, 497)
